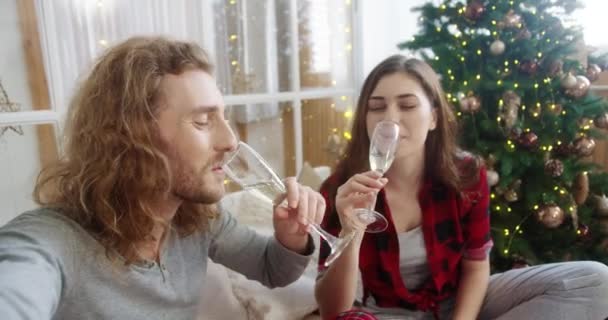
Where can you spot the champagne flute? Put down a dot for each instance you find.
(249, 170)
(382, 149)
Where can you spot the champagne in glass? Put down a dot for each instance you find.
(267, 190)
(380, 162)
(382, 149)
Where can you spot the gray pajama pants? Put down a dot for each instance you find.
(569, 291)
(558, 291)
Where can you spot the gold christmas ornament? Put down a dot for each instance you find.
(470, 104)
(580, 89)
(492, 177)
(511, 102)
(584, 123)
(584, 146)
(601, 204)
(491, 161)
(593, 72)
(497, 47)
(511, 195)
(601, 121)
(551, 216)
(568, 81)
(580, 188)
(554, 168)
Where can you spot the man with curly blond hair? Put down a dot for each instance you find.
(128, 215)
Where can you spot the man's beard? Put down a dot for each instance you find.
(188, 185)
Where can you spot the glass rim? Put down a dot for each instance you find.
(256, 155)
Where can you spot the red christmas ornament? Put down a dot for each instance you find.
(529, 140)
(584, 146)
(551, 216)
(515, 133)
(529, 66)
(474, 10)
(519, 262)
(511, 20)
(564, 149)
(554, 167)
(583, 231)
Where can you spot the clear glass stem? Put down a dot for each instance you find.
(337, 245)
(373, 206)
(328, 237)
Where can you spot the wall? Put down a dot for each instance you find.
(385, 23)
(19, 159)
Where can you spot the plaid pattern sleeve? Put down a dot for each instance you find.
(476, 226)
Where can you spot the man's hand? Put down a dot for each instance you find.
(291, 224)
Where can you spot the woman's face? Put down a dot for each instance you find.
(400, 98)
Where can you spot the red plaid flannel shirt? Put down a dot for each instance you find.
(454, 227)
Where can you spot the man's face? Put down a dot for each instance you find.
(194, 135)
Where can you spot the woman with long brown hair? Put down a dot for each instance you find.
(433, 259)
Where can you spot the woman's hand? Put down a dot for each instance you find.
(358, 192)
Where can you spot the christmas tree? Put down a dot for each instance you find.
(523, 103)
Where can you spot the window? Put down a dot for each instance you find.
(285, 66)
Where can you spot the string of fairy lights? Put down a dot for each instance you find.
(463, 41)
(343, 100)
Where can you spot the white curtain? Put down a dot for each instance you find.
(75, 32)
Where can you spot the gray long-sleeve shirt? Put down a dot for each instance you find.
(51, 268)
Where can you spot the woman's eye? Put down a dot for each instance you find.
(376, 107)
(407, 106)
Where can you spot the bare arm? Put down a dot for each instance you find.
(336, 288)
(474, 278)
(475, 266)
